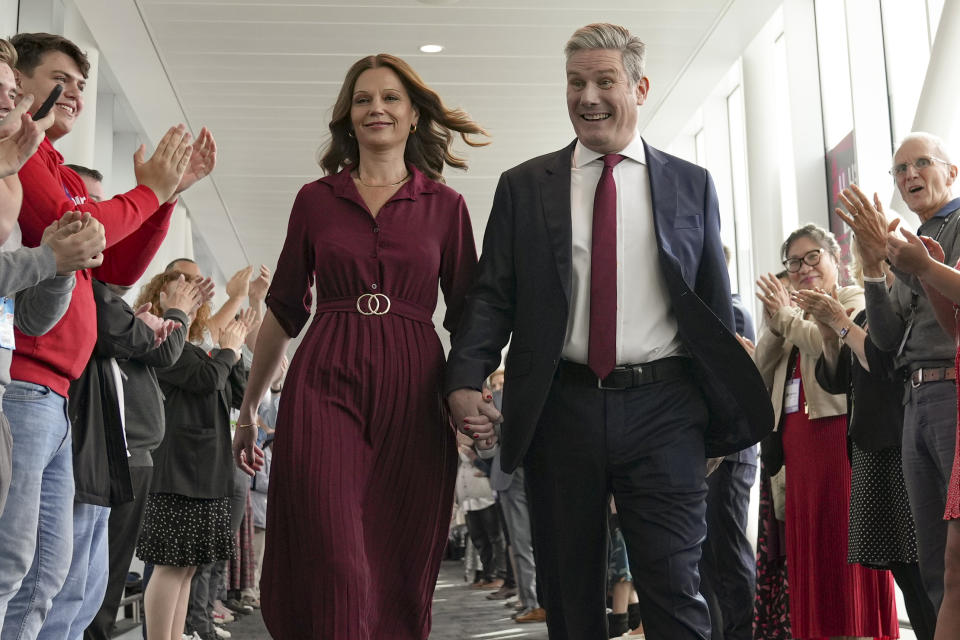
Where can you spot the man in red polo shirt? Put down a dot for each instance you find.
(36, 534)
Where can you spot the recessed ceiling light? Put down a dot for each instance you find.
(431, 48)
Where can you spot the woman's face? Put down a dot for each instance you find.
(820, 276)
(382, 112)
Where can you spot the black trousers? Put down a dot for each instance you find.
(487, 536)
(729, 568)
(122, 531)
(645, 446)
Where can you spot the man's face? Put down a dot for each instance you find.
(56, 68)
(8, 89)
(601, 100)
(925, 190)
(94, 188)
(187, 268)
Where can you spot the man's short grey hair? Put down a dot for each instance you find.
(603, 35)
(934, 141)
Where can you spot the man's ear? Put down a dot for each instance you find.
(642, 88)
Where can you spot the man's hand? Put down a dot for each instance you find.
(76, 245)
(21, 137)
(258, 288)
(868, 224)
(202, 162)
(239, 285)
(163, 171)
(183, 295)
(474, 415)
(912, 255)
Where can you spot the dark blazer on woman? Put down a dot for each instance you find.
(195, 457)
(874, 398)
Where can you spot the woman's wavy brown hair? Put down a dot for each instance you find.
(151, 293)
(428, 148)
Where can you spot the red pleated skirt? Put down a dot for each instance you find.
(828, 597)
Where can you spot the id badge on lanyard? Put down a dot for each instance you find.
(791, 396)
(6, 323)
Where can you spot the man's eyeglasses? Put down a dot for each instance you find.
(919, 164)
(811, 258)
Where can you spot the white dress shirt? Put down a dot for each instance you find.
(646, 326)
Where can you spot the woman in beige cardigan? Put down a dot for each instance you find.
(828, 597)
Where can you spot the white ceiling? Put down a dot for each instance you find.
(264, 75)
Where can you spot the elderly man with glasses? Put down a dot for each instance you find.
(902, 320)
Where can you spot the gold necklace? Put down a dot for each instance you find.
(376, 186)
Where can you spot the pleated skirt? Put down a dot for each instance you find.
(361, 487)
(828, 596)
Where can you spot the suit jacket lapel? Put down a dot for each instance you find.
(555, 200)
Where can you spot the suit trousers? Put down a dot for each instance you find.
(516, 513)
(645, 446)
(929, 444)
(123, 530)
(484, 527)
(729, 568)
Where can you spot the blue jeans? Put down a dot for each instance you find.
(82, 593)
(36, 528)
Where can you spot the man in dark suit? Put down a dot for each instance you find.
(728, 568)
(602, 264)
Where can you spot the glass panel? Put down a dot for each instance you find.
(834, 71)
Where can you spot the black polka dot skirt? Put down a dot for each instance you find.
(882, 530)
(185, 532)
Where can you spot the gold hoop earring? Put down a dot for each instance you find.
(413, 127)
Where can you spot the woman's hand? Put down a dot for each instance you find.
(246, 454)
(772, 294)
(747, 344)
(825, 309)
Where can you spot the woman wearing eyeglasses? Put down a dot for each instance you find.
(828, 597)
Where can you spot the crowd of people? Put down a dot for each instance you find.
(603, 474)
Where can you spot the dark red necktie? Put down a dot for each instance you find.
(602, 356)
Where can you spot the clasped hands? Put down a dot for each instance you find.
(475, 415)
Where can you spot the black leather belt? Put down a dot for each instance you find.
(626, 376)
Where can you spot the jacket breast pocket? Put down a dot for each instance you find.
(688, 222)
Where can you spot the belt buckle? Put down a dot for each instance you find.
(916, 378)
(373, 304)
(634, 370)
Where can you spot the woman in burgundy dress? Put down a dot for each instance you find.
(828, 597)
(364, 459)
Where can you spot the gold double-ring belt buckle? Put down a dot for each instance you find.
(373, 304)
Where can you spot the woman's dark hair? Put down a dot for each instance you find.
(826, 240)
(428, 147)
(821, 236)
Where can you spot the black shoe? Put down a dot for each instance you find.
(633, 615)
(237, 607)
(617, 623)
